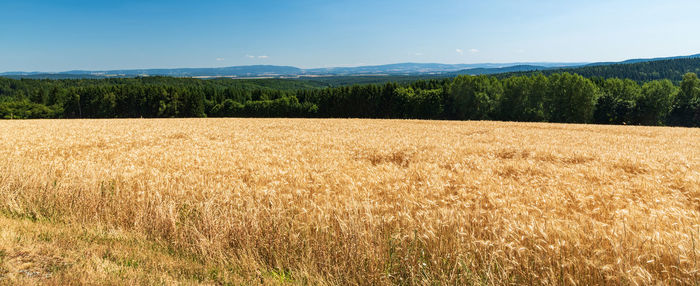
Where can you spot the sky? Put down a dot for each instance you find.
(60, 35)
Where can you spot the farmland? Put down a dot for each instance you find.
(338, 201)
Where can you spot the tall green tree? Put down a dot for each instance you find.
(571, 99)
(654, 105)
(616, 103)
(687, 102)
(523, 98)
(474, 97)
(514, 102)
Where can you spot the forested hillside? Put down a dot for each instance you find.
(672, 69)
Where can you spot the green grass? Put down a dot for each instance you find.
(45, 252)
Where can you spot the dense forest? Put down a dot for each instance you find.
(672, 69)
(557, 97)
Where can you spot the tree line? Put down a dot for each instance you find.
(558, 97)
(639, 70)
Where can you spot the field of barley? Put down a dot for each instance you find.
(372, 202)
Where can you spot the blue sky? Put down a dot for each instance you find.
(60, 35)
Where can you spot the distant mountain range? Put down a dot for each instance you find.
(288, 71)
(264, 71)
(423, 68)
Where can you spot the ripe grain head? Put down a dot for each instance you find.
(376, 201)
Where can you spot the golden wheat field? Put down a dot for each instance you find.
(251, 201)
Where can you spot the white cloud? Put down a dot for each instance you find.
(459, 51)
(249, 56)
(473, 51)
(220, 59)
(262, 57)
(418, 54)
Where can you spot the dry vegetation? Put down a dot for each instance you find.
(347, 202)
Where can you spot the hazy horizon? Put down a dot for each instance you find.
(309, 68)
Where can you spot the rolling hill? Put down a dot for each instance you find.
(402, 69)
(638, 70)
